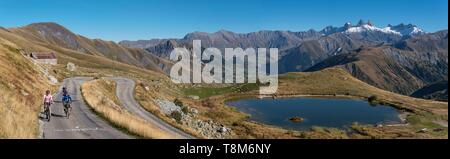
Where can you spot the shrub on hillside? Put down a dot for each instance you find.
(178, 102)
(185, 109)
(373, 99)
(176, 115)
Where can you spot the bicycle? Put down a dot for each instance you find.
(67, 109)
(47, 111)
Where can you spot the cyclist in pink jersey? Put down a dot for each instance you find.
(48, 101)
(48, 98)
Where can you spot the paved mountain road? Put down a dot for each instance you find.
(125, 93)
(85, 124)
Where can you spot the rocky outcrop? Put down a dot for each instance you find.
(189, 118)
(71, 67)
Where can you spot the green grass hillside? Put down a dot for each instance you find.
(332, 82)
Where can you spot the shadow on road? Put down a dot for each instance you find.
(58, 115)
(42, 116)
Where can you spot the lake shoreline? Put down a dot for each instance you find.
(396, 116)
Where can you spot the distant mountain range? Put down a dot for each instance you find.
(55, 36)
(401, 58)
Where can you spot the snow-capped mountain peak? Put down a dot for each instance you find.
(406, 29)
(401, 29)
(367, 27)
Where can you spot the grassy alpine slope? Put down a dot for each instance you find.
(21, 90)
(100, 96)
(420, 113)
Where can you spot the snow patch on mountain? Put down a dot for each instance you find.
(402, 30)
(366, 28)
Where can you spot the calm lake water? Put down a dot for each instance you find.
(339, 113)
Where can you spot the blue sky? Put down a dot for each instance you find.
(146, 19)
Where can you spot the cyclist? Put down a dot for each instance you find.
(64, 90)
(48, 101)
(66, 100)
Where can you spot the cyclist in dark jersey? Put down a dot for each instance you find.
(66, 100)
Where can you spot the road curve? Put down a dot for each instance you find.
(125, 93)
(83, 123)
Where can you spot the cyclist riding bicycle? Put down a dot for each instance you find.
(48, 98)
(64, 90)
(66, 100)
(48, 101)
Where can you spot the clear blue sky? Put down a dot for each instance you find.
(145, 19)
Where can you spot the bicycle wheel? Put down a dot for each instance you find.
(68, 112)
(48, 114)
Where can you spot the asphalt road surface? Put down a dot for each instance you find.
(125, 93)
(83, 123)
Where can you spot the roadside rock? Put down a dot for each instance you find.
(194, 97)
(71, 67)
(52, 79)
(223, 129)
(167, 107)
(194, 111)
(144, 85)
(24, 93)
(424, 130)
(208, 129)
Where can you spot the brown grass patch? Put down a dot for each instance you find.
(99, 94)
(21, 88)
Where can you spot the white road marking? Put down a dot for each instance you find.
(80, 129)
